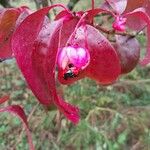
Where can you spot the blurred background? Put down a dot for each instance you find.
(115, 117)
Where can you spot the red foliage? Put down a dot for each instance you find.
(72, 44)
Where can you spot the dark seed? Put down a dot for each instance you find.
(70, 65)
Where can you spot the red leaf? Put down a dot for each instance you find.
(118, 5)
(136, 23)
(63, 14)
(143, 16)
(133, 4)
(8, 18)
(128, 49)
(18, 111)
(105, 65)
(7, 23)
(35, 45)
(26, 46)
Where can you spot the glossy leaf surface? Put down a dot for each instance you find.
(128, 50)
(140, 13)
(118, 5)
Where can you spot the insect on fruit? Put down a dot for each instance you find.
(71, 72)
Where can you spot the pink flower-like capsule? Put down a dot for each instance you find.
(72, 60)
(119, 24)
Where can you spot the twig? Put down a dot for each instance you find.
(103, 109)
(145, 81)
(113, 32)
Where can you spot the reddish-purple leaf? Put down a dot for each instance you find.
(104, 66)
(118, 6)
(26, 46)
(25, 11)
(63, 14)
(7, 24)
(18, 111)
(8, 18)
(142, 16)
(133, 4)
(35, 45)
(128, 49)
(136, 23)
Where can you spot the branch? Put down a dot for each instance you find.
(131, 82)
(112, 32)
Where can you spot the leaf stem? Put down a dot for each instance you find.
(77, 26)
(93, 4)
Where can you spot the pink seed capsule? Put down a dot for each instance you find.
(119, 24)
(72, 60)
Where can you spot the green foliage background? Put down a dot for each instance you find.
(115, 117)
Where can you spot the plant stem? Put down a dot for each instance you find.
(77, 26)
(93, 4)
